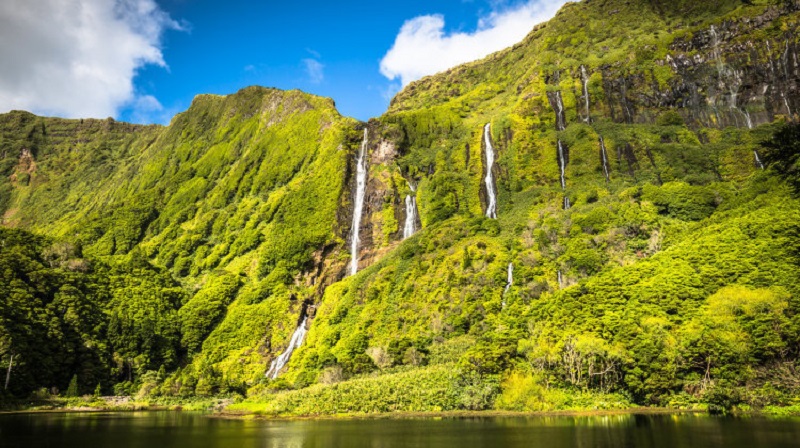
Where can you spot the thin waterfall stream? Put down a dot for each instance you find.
(491, 195)
(358, 204)
(410, 226)
(509, 282)
(585, 79)
(561, 124)
(604, 157)
(296, 341)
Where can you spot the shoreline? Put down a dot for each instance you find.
(245, 415)
(456, 414)
(216, 412)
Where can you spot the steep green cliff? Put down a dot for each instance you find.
(649, 260)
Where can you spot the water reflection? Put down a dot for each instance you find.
(187, 430)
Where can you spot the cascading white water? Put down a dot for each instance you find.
(560, 280)
(561, 121)
(736, 82)
(509, 282)
(491, 196)
(785, 62)
(562, 165)
(562, 157)
(585, 78)
(410, 226)
(717, 55)
(296, 341)
(730, 77)
(788, 108)
(358, 204)
(510, 278)
(748, 120)
(758, 160)
(771, 62)
(604, 156)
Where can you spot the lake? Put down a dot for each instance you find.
(185, 430)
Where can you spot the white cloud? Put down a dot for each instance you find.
(147, 109)
(314, 70)
(78, 58)
(423, 48)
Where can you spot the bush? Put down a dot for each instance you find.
(72, 389)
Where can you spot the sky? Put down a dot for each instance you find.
(144, 60)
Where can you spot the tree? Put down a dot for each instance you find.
(782, 154)
(72, 389)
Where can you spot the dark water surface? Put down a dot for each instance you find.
(176, 429)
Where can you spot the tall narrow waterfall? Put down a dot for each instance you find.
(771, 62)
(510, 278)
(716, 52)
(561, 124)
(509, 282)
(585, 78)
(410, 226)
(560, 280)
(561, 119)
(562, 165)
(358, 203)
(491, 196)
(296, 341)
(604, 157)
(788, 108)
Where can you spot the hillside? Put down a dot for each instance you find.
(641, 245)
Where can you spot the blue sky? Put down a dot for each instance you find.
(144, 60)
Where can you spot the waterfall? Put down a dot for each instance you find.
(358, 205)
(717, 56)
(509, 282)
(748, 120)
(561, 124)
(562, 164)
(734, 88)
(771, 62)
(785, 62)
(585, 78)
(491, 207)
(296, 341)
(730, 77)
(510, 278)
(410, 226)
(758, 160)
(604, 156)
(561, 120)
(788, 108)
(560, 280)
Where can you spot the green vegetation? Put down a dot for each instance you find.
(173, 263)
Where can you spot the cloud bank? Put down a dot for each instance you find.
(423, 48)
(78, 58)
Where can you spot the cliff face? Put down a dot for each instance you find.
(645, 64)
(620, 129)
(658, 109)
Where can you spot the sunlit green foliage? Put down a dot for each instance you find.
(184, 255)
